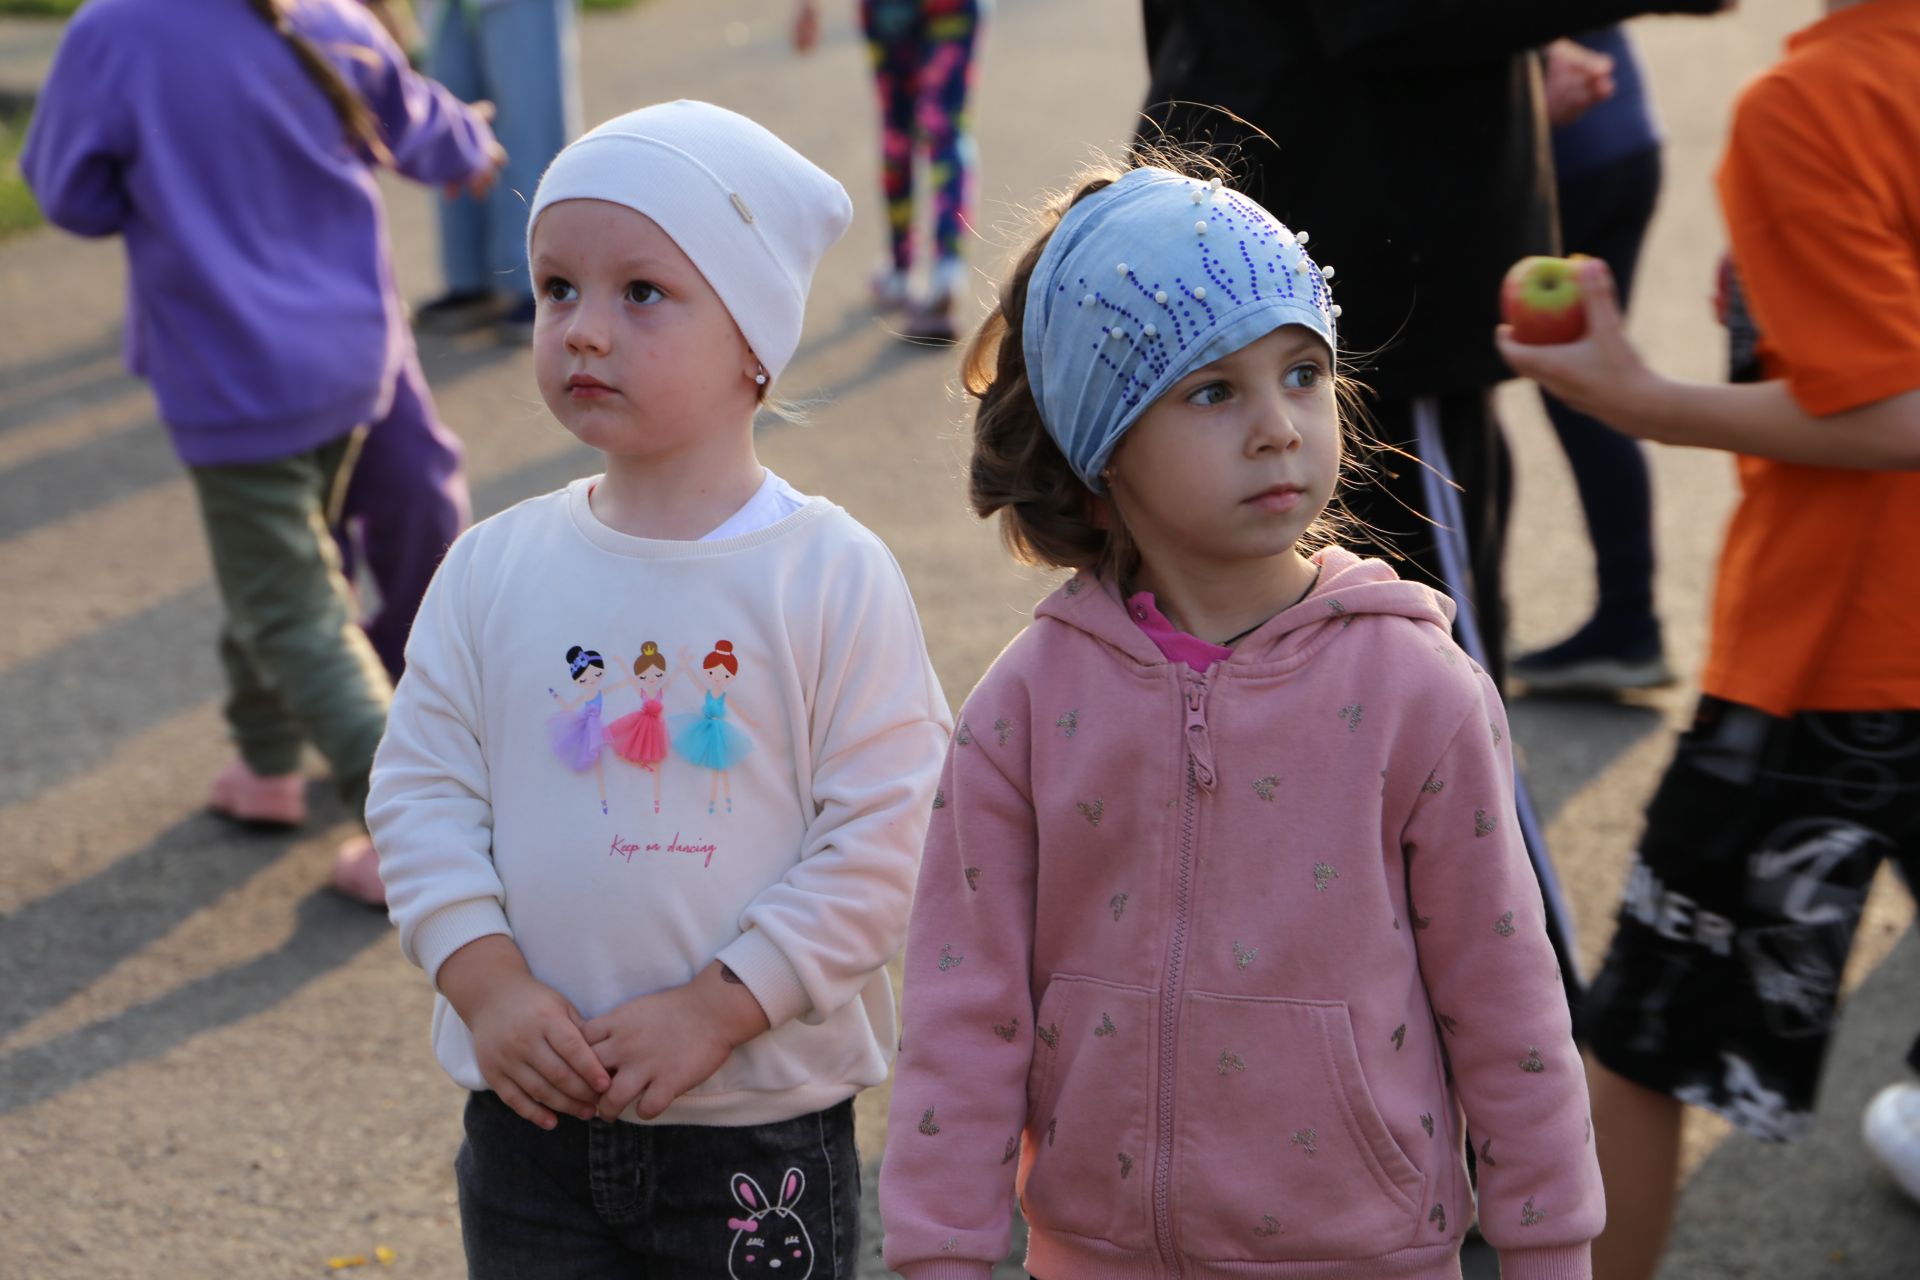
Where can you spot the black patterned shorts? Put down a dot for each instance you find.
(1722, 982)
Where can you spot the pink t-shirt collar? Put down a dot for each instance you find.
(1174, 644)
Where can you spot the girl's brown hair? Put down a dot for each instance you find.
(650, 659)
(356, 118)
(1047, 515)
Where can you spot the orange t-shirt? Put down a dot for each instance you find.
(1818, 601)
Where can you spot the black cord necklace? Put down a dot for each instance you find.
(1230, 641)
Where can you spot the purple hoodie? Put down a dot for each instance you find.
(1206, 966)
(262, 303)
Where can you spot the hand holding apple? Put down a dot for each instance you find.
(1591, 366)
(1540, 298)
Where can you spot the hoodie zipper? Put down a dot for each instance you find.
(1200, 777)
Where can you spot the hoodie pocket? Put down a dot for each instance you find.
(1088, 1167)
(1280, 1152)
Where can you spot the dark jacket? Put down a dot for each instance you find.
(1408, 136)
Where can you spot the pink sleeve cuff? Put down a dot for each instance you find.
(1559, 1262)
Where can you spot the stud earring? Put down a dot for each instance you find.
(760, 378)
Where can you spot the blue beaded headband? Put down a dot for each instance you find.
(582, 660)
(1145, 281)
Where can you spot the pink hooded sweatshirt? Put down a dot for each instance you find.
(1205, 967)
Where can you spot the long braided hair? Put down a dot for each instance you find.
(356, 119)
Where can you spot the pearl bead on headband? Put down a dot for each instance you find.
(1145, 281)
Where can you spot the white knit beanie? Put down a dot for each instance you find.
(752, 213)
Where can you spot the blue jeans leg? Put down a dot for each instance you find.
(529, 60)
(453, 58)
(1606, 214)
(527, 1200)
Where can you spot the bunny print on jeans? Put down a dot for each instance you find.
(771, 1240)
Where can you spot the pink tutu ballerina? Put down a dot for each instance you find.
(640, 737)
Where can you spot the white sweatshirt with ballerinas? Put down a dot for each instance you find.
(757, 792)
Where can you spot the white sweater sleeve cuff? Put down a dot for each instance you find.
(768, 974)
(453, 927)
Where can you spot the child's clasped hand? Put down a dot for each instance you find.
(544, 1059)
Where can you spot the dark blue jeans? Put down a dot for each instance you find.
(660, 1202)
(1605, 213)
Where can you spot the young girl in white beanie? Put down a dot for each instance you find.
(663, 1007)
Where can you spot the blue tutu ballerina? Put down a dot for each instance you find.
(704, 737)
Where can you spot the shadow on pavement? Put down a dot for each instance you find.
(54, 948)
(68, 710)
(18, 411)
(15, 376)
(57, 946)
(1566, 743)
(92, 473)
(328, 932)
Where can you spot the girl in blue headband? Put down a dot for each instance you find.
(1224, 918)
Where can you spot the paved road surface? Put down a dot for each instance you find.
(211, 1067)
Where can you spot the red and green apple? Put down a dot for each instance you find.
(1541, 299)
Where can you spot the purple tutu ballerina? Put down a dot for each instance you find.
(575, 730)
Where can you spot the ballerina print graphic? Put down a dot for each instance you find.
(640, 737)
(575, 730)
(705, 737)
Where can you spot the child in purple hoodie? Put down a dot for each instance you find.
(232, 145)
(1225, 936)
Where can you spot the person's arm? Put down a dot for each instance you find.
(396, 19)
(78, 142)
(429, 806)
(960, 1092)
(1480, 928)
(811, 941)
(430, 813)
(1602, 375)
(432, 135)
(1409, 32)
(1845, 322)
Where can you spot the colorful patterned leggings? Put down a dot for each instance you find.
(922, 52)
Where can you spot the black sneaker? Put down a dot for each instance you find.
(1590, 664)
(516, 325)
(458, 311)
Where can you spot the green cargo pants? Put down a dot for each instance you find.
(299, 669)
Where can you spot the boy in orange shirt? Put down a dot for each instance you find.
(1801, 771)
